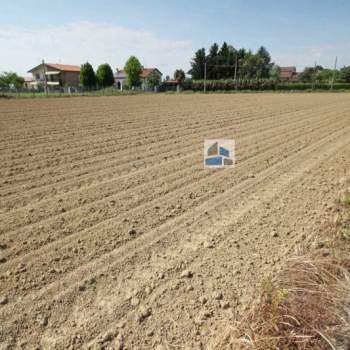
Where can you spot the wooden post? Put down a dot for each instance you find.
(236, 63)
(44, 68)
(205, 77)
(335, 68)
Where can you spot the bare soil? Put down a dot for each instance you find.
(114, 236)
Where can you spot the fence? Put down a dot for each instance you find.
(64, 92)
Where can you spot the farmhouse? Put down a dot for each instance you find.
(120, 77)
(288, 74)
(55, 75)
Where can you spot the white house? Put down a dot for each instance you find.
(55, 75)
(120, 78)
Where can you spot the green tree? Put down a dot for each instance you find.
(266, 65)
(327, 75)
(153, 79)
(221, 63)
(344, 74)
(2, 82)
(213, 62)
(224, 51)
(197, 65)
(11, 79)
(179, 75)
(133, 69)
(251, 67)
(226, 61)
(87, 75)
(309, 74)
(104, 75)
(275, 72)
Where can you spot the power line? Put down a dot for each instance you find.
(235, 66)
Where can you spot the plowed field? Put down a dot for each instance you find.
(114, 236)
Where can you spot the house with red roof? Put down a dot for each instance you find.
(288, 73)
(55, 75)
(120, 78)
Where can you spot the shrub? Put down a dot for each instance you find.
(258, 85)
(87, 75)
(104, 75)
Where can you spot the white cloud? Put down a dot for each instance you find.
(307, 56)
(76, 43)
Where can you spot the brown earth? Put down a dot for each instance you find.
(112, 235)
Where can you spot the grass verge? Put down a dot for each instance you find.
(307, 305)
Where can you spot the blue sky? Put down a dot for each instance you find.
(166, 33)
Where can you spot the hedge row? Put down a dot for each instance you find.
(308, 86)
(262, 84)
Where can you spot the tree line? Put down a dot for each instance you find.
(219, 63)
(104, 76)
(8, 79)
(318, 74)
(227, 62)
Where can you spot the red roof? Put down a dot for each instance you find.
(64, 67)
(60, 67)
(288, 73)
(171, 82)
(147, 72)
(288, 69)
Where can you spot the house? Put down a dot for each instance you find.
(170, 85)
(28, 83)
(288, 73)
(55, 75)
(120, 77)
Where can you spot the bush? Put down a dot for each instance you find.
(229, 84)
(87, 75)
(257, 85)
(104, 75)
(133, 69)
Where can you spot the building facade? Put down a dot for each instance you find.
(288, 74)
(54, 75)
(120, 78)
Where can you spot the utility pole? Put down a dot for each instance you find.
(335, 68)
(236, 63)
(314, 77)
(45, 78)
(205, 77)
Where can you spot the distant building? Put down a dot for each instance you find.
(120, 78)
(55, 75)
(288, 73)
(170, 85)
(28, 83)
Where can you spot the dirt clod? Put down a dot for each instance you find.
(42, 320)
(186, 274)
(3, 300)
(218, 295)
(132, 231)
(143, 313)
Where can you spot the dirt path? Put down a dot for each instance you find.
(77, 174)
